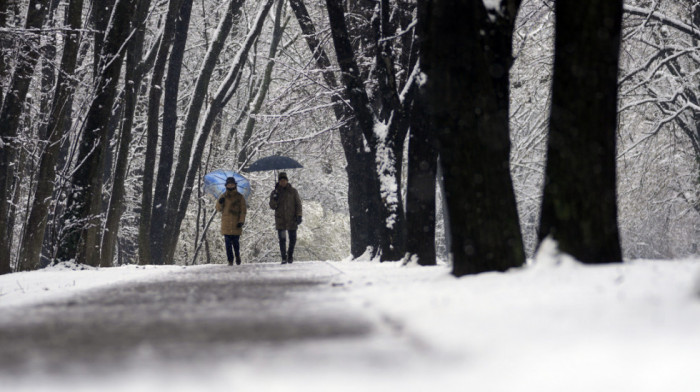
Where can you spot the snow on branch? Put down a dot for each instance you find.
(668, 21)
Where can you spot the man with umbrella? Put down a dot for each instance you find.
(285, 200)
(232, 206)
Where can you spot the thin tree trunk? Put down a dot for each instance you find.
(33, 237)
(579, 206)
(10, 116)
(277, 32)
(422, 169)
(167, 140)
(154, 96)
(84, 206)
(217, 104)
(467, 84)
(421, 186)
(48, 73)
(190, 127)
(133, 77)
(5, 45)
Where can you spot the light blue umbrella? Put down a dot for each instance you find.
(215, 183)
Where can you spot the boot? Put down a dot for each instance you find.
(238, 260)
(290, 257)
(283, 251)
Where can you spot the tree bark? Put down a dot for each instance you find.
(5, 45)
(383, 119)
(220, 99)
(277, 32)
(167, 140)
(84, 207)
(359, 161)
(154, 96)
(190, 126)
(422, 171)
(10, 116)
(36, 224)
(579, 206)
(133, 78)
(467, 84)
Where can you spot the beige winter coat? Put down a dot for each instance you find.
(232, 212)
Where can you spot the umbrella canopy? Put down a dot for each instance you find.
(215, 183)
(274, 162)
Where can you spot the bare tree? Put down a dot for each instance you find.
(167, 140)
(363, 224)
(84, 209)
(38, 217)
(11, 114)
(382, 115)
(220, 99)
(135, 70)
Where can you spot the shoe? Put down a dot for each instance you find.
(238, 261)
(230, 263)
(284, 261)
(290, 259)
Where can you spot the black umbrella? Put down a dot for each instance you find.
(274, 162)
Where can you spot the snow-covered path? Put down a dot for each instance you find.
(244, 327)
(353, 326)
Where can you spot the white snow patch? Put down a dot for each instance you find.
(493, 8)
(388, 184)
(66, 279)
(548, 256)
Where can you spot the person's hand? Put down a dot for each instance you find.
(240, 224)
(221, 201)
(298, 219)
(275, 194)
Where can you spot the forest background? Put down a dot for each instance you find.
(112, 111)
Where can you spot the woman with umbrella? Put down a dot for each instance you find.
(232, 206)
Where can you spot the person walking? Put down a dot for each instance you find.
(284, 199)
(233, 210)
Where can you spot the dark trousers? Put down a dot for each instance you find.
(233, 245)
(281, 234)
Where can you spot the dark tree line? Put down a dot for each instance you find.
(435, 73)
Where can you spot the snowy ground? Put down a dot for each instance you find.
(552, 326)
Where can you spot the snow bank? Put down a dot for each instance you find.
(557, 325)
(66, 279)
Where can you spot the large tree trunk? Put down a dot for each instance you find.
(467, 84)
(36, 224)
(579, 206)
(134, 75)
(190, 127)
(167, 140)
(383, 204)
(10, 116)
(84, 208)
(223, 93)
(358, 160)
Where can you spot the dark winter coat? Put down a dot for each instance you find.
(233, 212)
(287, 206)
